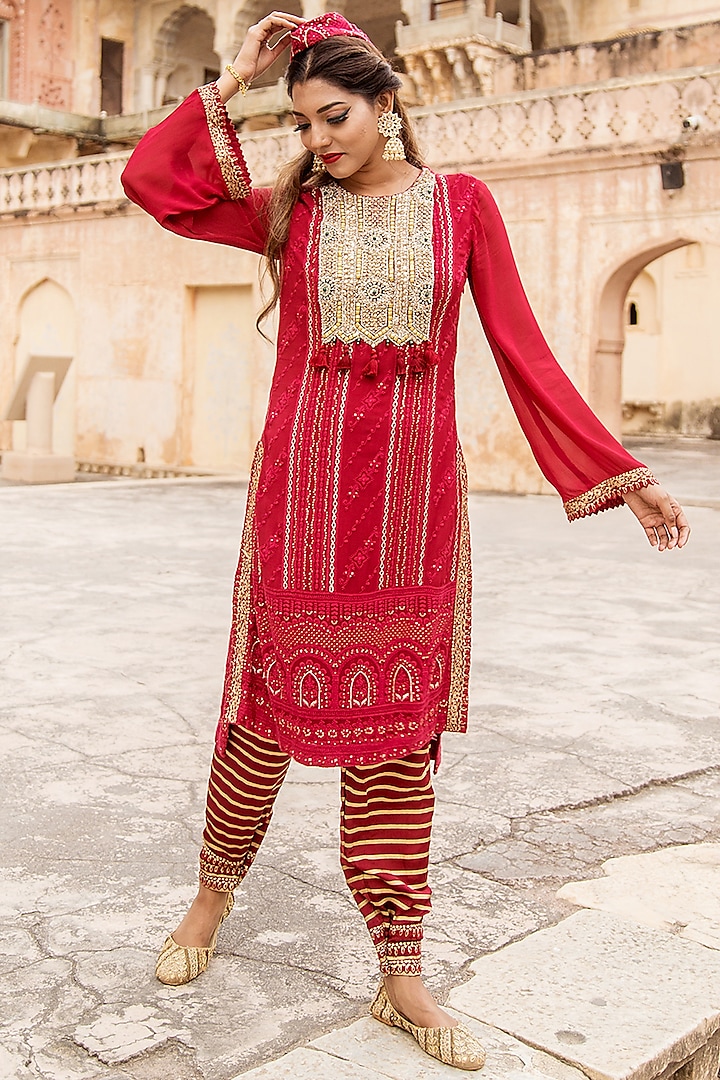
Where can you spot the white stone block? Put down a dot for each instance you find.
(675, 889)
(618, 1000)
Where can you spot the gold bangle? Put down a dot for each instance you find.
(244, 87)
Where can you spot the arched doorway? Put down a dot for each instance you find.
(185, 54)
(670, 370)
(47, 326)
(605, 381)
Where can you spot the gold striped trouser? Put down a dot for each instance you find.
(385, 821)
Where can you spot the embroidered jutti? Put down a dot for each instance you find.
(350, 638)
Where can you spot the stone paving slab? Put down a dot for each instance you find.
(306, 1064)
(616, 999)
(593, 733)
(394, 1054)
(675, 889)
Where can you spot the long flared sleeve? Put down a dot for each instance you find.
(190, 174)
(576, 453)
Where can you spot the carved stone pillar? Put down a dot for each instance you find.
(483, 60)
(440, 73)
(420, 77)
(464, 76)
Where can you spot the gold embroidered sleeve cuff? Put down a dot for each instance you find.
(608, 494)
(227, 149)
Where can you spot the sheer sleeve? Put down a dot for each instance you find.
(190, 174)
(576, 453)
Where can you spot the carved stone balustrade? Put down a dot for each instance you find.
(644, 114)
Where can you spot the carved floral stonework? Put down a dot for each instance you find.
(639, 116)
(50, 66)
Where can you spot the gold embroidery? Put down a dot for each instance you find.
(608, 494)
(233, 168)
(376, 264)
(460, 652)
(241, 597)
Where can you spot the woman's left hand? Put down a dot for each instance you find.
(661, 516)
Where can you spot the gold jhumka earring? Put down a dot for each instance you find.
(389, 124)
(318, 165)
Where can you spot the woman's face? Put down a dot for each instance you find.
(338, 126)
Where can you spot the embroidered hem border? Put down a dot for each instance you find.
(221, 874)
(399, 947)
(227, 149)
(339, 756)
(608, 494)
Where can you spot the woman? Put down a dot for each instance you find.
(351, 625)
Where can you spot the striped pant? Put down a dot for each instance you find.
(385, 821)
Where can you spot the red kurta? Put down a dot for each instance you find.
(350, 640)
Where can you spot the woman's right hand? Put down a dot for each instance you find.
(255, 57)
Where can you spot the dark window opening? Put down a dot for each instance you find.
(633, 314)
(210, 75)
(111, 77)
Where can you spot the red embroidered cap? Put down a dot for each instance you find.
(331, 24)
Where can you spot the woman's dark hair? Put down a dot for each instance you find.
(357, 67)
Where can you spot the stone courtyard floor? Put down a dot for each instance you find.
(594, 734)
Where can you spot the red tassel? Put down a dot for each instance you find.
(321, 358)
(340, 355)
(416, 360)
(371, 367)
(411, 358)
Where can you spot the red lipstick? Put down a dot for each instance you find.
(329, 158)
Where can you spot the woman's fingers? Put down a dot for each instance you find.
(683, 527)
(274, 22)
(668, 508)
(661, 516)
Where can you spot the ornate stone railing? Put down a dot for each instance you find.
(43, 189)
(645, 113)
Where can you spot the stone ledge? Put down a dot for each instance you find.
(615, 999)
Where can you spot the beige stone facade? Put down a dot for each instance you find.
(567, 110)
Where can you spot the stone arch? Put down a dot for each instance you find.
(670, 375)
(185, 55)
(605, 383)
(47, 326)
(553, 16)
(641, 305)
